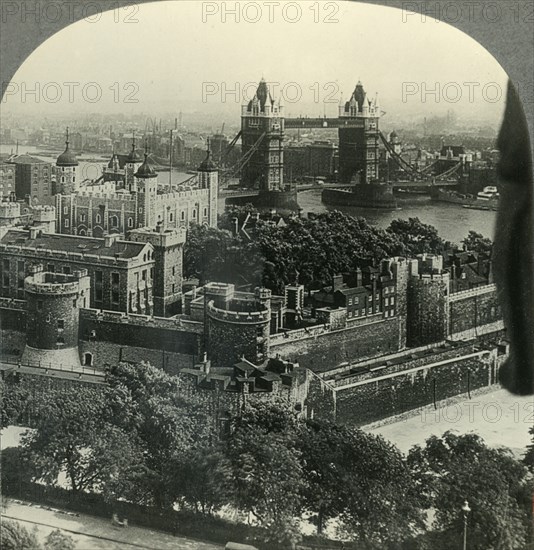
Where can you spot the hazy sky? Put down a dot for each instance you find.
(168, 58)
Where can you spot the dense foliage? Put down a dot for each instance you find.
(454, 468)
(14, 536)
(146, 439)
(311, 249)
(478, 243)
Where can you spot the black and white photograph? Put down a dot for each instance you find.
(266, 275)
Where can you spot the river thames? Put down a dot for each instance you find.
(452, 221)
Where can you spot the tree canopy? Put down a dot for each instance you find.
(454, 468)
(316, 248)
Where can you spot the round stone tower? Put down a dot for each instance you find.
(238, 324)
(53, 303)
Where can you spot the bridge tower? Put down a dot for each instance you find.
(262, 134)
(358, 144)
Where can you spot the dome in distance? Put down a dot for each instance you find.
(67, 158)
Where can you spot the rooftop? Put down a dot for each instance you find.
(26, 159)
(73, 244)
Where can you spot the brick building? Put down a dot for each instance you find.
(121, 272)
(7, 179)
(33, 179)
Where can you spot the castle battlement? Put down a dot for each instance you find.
(12, 303)
(165, 237)
(220, 289)
(171, 323)
(478, 291)
(241, 317)
(110, 196)
(43, 282)
(39, 253)
(432, 277)
(9, 209)
(177, 195)
(298, 334)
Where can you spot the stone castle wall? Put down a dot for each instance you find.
(473, 308)
(321, 351)
(162, 342)
(378, 397)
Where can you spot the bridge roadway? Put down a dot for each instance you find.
(309, 187)
(323, 122)
(426, 183)
(303, 187)
(62, 372)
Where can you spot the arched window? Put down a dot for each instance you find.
(114, 221)
(88, 359)
(98, 219)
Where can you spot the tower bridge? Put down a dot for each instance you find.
(262, 133)
(263, 126)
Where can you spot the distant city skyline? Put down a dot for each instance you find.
(170, 61)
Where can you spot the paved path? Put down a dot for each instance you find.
(500, 418)
(92, 533)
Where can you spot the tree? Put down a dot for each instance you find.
(417, 237)
(454, 468)
(165, 420)
(266, 471)
(58, 540)
(17, 400)
(205, 252)
(362, 480)
(12, 472)
(14, 536)
(200, 478)
(476, 242)
(528, 459)
(73, 435)
(212, 254)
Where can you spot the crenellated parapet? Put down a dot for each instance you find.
(178, 323)
(240, 317)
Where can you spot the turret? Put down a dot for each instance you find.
(53, 301)
(66, 165)
(146, 181)
(133, 162)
